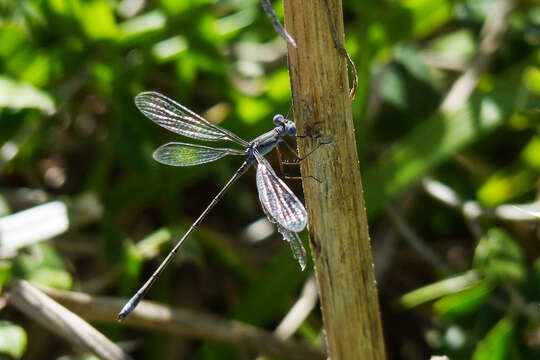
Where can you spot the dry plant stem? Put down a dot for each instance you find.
(153, 316)
(338, 227)
(341, 48)
(491, 35)
(39, 307)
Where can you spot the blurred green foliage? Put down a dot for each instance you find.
(69, 70)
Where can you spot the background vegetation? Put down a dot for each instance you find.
(458, 267)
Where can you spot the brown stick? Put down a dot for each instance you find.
(32, 302)
(338, 226)
(154, 316)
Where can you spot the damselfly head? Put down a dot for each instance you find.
(278, 120)
(290, 128)
(287, 126)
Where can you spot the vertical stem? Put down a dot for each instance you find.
(338, 227)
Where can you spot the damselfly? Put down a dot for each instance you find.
(279, 203)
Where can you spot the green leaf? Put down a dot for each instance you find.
(392, 88)
(143, 25)
(20, 95)
(498, 256)
(507, 184)
(439, 138)
(169, 49)
(497, 342)
(529, 155)
(436, 290)
(60, 7)
(230, 24)
(175, 7)
(251, 110)
(12, 38)
(43, 265)
(279, 86)
(428, 15)
(459, 46)
(532, 79)
(4, 206)
(5, 273)
(465, 301)
(12, 339)
(517, 179)
(536, 272)
(97, 19)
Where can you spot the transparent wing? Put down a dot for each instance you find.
(294, 241)
(297, 247)
(277, 199)
(179, 119)
(181, 154)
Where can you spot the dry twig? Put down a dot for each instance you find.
(35, 304)
(153, 316)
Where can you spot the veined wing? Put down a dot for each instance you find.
(293, 239)
(179, 119)
(182, 154)
(297, 247)
(277, 199)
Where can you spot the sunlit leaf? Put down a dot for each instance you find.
(12, 339)
(234, 22)
(532, 79)
(61, 7)
(515, 180)
(428, 14)
(12, 37)
(497, 343)
(169, 49)
(175, 7)
(279, 86)
(251, 110)
(43, 265)
(529, 155)
(437, 139)
(142, 25)
(466, 301)
(458, 46)
(440, 288)
(506, 185)
(38, 223)
(498, 256)
(5, 209)
(20, 95)
(37, 72)
(97, 19)
(5, 273)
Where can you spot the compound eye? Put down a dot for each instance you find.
(290, 128)
(278, 120)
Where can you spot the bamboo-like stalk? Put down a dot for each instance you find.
(338, 228)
